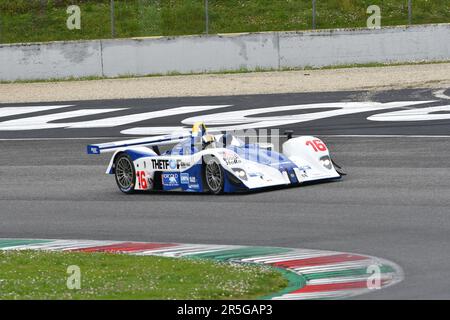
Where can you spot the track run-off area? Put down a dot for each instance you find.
(393, 204)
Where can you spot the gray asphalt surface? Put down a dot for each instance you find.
(394, 204)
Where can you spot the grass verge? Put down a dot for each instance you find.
(43, 275)
(45, 20)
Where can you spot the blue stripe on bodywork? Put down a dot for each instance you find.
(267, 157)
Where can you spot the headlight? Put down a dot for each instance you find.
(240, 173)
(326, 162)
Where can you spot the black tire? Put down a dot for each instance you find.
(338, 168)
(213, 175)
(125, 173)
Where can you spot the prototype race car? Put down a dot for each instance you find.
(223, 163)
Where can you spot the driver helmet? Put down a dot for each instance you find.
(208, 140)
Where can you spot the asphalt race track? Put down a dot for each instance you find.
(394, 203)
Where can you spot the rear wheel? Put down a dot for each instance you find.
(125, 173)
(214, 176)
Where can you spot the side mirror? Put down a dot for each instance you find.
(289, 133)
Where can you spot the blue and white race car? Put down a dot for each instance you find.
(202, 162)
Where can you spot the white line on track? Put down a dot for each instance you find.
(441, 94)
(362, 136)
(273, 136)
(74, 138)
(384, 136)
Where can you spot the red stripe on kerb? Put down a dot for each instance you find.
(337, 258)
(335, 286)
(127, 247)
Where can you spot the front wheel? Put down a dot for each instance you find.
(214, 176)
(125, 173)
(338, 168)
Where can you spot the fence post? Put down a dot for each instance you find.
(409, 12)
(113, 31)
(314, 14)
(206, 17)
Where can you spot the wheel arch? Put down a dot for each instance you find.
(134, 153)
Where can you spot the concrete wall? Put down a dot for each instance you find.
(270, 50)
(50, 60)
(334, 47)
(190, 54)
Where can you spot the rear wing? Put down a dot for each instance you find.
(149, 141)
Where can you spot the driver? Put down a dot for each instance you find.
(208, 141)
(199, 135)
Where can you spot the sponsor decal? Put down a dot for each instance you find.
(170, 179)
(256, 175)
(259, 175)
(160, 164)
(231, 158)
(94, 150)
(173, 164)
(301, 174)
(184, 178)
(192, 179)
(194, 186)
(183, 164)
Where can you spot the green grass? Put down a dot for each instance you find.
(43, 275)
(45, 20)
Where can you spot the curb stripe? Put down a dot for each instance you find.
(319, 261)
(301, 254)
(335, 286)
(344, 273)
(240, 253)
(191, 251)
(19, 242)
(337, 266)
(126, 247)
(384, 277)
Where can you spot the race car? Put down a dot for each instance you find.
(198, 161)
